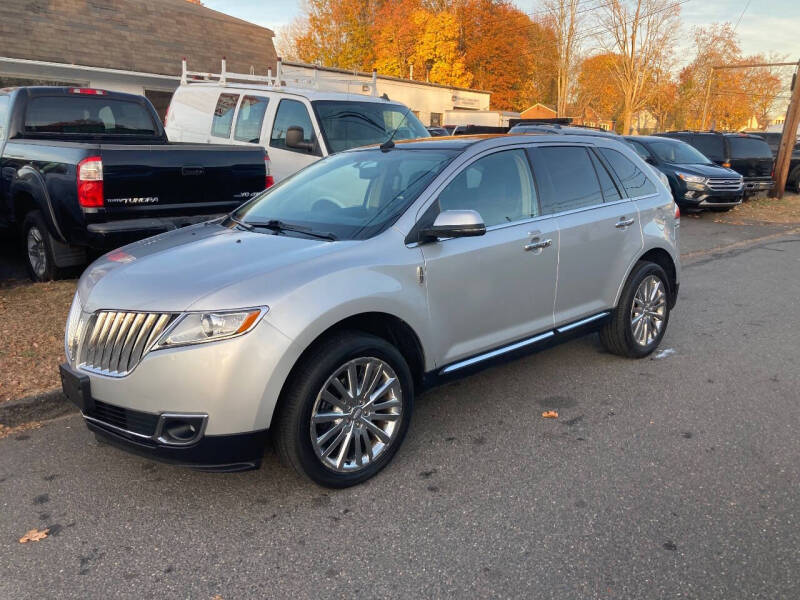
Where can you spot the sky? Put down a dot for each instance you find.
(766, 25)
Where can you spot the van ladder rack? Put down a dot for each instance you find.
(283, 77)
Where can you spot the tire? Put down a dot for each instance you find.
(38, 248)
(297, 439)
(619, 335)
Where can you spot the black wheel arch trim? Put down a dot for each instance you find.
(23, 184)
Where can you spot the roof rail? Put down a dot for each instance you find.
(283, 77)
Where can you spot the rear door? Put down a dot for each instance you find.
(488, 291)
(284, 161)
(598, 225)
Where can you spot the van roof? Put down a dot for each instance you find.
(309, 93)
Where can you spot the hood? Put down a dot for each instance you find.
(173, 271)
(705, 170)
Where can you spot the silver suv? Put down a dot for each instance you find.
(317, 310)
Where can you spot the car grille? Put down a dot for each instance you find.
(114, 342)
(134, 421)
(721, 184)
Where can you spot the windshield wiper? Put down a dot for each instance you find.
(279, 226)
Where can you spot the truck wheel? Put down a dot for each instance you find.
(38, 248)
(793, 181)
(639, 321)
(346, 410)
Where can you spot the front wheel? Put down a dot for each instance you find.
(346, 410)
(639, 321)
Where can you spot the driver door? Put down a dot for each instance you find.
(489, 291)
(284, 160)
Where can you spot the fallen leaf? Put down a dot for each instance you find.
(550, 414)
(34, 535)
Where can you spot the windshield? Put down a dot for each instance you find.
(84, 114)
(354, 195)
(678, 153)
(350, 124)
(749, 147)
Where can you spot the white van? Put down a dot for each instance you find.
(297, 125)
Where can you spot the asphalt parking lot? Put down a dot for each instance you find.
(674, 476)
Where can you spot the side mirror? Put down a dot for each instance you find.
(294, 139)
(453, 224)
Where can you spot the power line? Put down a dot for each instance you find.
(739, 20)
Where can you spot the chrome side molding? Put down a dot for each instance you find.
(521, 344)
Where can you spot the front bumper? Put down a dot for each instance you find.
(113, 234)
(145, 433)
(752, 186)
(710, 199)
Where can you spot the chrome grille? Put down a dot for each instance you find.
(722, 184)
(114, 342)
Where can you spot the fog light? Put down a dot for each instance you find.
(178, 430)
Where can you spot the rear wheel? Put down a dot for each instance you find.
(639, 321)
(346, 410)
(38, 248)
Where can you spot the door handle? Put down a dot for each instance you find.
(623, 223)
(541, 245)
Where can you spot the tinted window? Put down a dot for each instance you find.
(353, 195)
(250, 118)
(352, 124)
(633, 179)
(567, 179)
(640, 150)
(4, 104)
(223, 115)
(498, 186)
(84, 114)
(747, 147)
(710, 145)
(678, 153)
(610, 191)
(292, 113)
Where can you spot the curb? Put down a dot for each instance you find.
(39, 407)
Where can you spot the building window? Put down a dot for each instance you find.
(436, 119)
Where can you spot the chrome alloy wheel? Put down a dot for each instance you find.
(649, 310)
(356, 415)
(37, 253)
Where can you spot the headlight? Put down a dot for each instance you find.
(691, 178)
(72, 332)
(196, 328)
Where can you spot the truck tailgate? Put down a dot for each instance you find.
(171, 179)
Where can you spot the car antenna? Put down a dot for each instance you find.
(389, 144)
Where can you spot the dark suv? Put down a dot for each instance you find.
(773, 139)
(695, 181)
(748, 155)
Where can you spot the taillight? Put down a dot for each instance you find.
(677, 214)
(87, 91)
(90, 182)
(727, 165)
(166, 116)
(270, 180)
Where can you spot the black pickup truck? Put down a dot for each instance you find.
(85, 170)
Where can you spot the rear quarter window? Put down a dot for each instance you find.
(633, 179)
(223, 115)
(710, 145)
(747, 147)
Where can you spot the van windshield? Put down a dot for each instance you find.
(353, 195)
(350, 124)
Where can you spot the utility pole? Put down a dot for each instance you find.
(708, 97)
(782, 162)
